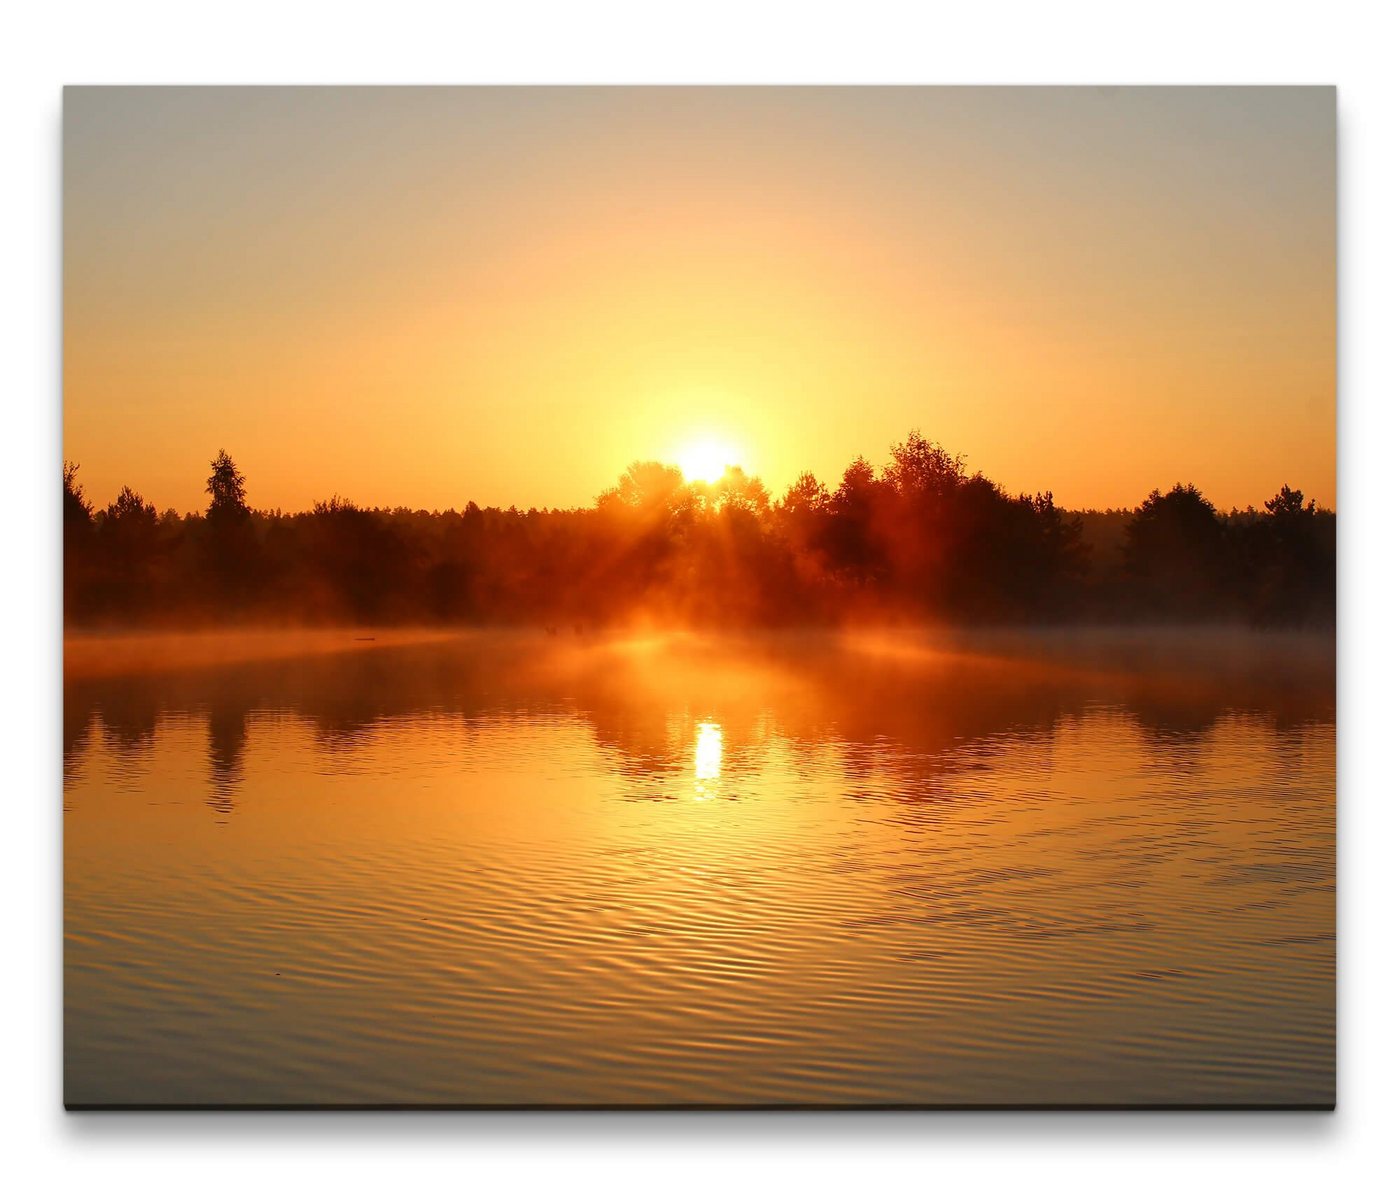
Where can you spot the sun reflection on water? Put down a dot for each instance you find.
(709, 753)
(900, 877)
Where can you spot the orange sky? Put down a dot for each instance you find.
(425, 297)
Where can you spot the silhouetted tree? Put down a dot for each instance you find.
(918, 539)
(735, 491)
(77, 542)
(851, 541)
(919, 470)
(1287, 561)
(807, 498)
(232, 568)
(1288, 508)
(1173, 556)
(127, 547)
(227, 492)
(129, 513)
(77, 508)
(362, 558)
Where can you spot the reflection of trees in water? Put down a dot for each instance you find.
(228, 740)
(914, 728)
(124, 723)
(125, 712)
(663, 754)
(77, 732)
(130, 723)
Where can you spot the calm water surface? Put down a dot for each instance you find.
(795, 870)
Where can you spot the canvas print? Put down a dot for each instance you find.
(699, 597)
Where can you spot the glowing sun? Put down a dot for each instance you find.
(705, 460)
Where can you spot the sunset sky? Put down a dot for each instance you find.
(425, 297)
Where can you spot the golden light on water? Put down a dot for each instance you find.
(887, 855)
(709, 753)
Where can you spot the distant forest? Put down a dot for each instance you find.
(916, 540)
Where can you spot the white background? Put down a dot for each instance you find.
(1353, 45)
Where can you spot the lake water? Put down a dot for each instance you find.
(520, 869)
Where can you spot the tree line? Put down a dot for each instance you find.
(918, 539)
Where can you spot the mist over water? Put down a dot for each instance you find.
(787, 868)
